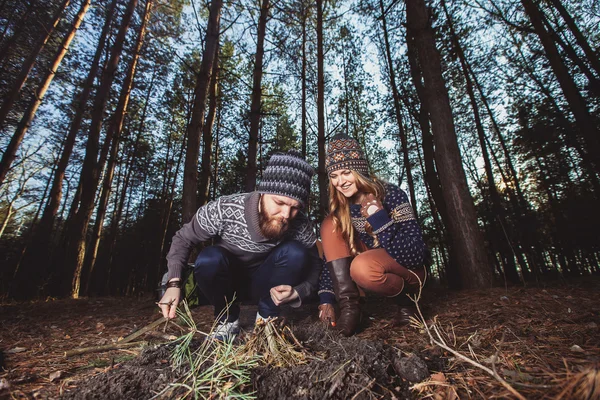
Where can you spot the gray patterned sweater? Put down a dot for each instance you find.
(233, 222)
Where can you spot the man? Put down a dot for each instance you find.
(264, 247)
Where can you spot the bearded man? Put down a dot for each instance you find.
(264, 247)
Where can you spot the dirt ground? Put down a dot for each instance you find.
(543, 341)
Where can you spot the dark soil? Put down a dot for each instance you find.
(546, 340)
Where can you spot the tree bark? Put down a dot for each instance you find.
(398, 111)
(11, 150)
(90, 173)
(255, 107)
(322, 173)
(473, 264)
(205, 170)
(190, 173)
(304, 18)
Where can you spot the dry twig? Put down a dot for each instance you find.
(441, 343)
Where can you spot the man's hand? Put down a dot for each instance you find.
(327, 313)
(169, 302)
(283, 294)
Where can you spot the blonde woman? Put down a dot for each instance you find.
(371, 239)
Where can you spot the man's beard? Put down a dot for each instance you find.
(271, 227)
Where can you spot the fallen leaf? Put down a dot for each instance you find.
(56, 375)
(16, 350)
(67, 337)
(575, 348)
(438, 377)
(100, 327)
(4, 384)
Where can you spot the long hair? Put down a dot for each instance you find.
(339, 208)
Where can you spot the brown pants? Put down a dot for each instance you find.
(373, 270)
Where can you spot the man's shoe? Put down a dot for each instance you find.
(226, 331)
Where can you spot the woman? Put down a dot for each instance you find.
(371, 239)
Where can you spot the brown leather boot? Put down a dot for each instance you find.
(406, 308)
(346, 294)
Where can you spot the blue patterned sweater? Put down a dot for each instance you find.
(397, 230)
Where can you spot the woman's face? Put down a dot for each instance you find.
(344, 181)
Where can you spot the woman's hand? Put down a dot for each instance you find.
(370, 205)
(327, 313)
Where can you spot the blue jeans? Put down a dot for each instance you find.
(220, 275)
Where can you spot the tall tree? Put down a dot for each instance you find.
(255, 107)
(190, 173)
(90, 172)
(207, 134)
(468, 243)
(115, 131)
(398, 108)
(506, 253)
(322, 173)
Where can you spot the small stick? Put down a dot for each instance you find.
(145, 329)
(107, 347)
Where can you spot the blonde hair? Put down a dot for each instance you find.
(339, 208)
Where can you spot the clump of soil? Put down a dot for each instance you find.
(339, 368)
(343, 368)
(140, 378)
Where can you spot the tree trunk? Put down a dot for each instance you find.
(583, 119)
(322, 173)
(504, 246)
(11, 150)
(13, 94)
(205, 170)
(473, 263)
(113, 136)
(398, 111)
(90, 173)
(303, 77)
(190, 173)
(255, 107)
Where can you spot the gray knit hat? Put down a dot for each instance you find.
(287, 174)
(344, 152)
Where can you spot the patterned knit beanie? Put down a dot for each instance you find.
(287, 174)
(343, 152)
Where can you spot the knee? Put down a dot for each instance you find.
(294, 253)
(327, 226)
(364, 271)
(210, 261)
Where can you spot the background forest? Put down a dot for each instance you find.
(118, 118)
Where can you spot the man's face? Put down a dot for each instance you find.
(276, 213)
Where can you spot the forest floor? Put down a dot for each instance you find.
(544, 341)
